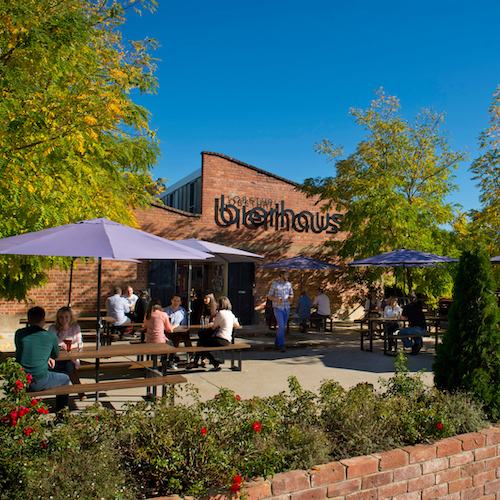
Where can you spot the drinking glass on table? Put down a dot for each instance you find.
(68, 341)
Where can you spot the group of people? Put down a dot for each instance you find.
(37, 348)
(389, 308)
(37, 351)
(159, 323)
(281, 296)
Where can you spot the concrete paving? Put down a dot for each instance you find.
(311, 357)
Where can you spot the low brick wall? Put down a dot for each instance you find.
(458, 468)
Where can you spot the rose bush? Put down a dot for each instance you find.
(155, 448)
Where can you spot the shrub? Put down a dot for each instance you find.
(468, 359)
(157, 448)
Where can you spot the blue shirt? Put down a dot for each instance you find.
(304, 307)
(178, 317)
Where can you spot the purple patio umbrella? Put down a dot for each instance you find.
(221, 253)
(101, 239)
(403, 258)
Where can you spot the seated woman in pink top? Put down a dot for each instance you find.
(156, 323)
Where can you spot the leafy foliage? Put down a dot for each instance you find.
(157, 448)
(392, 189)
(469, 356)
(73, 145)
(487, 171)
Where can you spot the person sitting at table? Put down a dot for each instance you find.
(65, 327)
(132, 299)
(322, 304)
(372, 304)
(303, 311)
(176, 313)
(418, 325)
(156, 323)
(141, 306)
(222, 327)
(117, 307)
(391, 310)
(36, 350)
(209, 310)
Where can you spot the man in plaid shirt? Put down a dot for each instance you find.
(281, 293)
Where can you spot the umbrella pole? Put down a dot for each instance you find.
(98, 325)
(404, 284)
(70, 282)
(189, 292)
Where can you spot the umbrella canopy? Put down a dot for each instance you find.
(220, 253)
(98, 238)
(301, 262)
(403, 258)
(495, 259)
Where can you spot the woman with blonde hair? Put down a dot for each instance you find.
(66, 327)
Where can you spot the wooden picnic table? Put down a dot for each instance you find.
(373, 323)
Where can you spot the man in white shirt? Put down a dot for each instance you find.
(322, 303)
(132, 299)
(117, 307)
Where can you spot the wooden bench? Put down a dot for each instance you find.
(231, 347)
(96, 387)
(391, 341)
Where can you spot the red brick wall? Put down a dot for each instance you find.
(221, 175)
(458, 468)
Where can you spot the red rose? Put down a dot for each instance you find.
(203, 430)
(439, 426)
(19, 385)
(29, 378)
(235, 488)
(44, 444)
(28, 430)
(256, 427)
(238, 398)
(23, 411)
(13, 422)
(14, 415)
(42, 410)
(34, 402)
(238, 479)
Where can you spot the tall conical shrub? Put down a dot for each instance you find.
(469, 357)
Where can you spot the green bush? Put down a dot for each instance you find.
(155, 448)
(468, 359)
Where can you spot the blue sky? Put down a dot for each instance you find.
(263, 81)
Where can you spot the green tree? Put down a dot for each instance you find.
(486, 169)
(468, 359)
(73, 145)
(392, 190)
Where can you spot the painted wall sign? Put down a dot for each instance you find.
(260, 213)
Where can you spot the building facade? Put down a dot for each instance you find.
(227, 202)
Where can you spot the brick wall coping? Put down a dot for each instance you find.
(456, 468)
(260, 171)
(174, 210)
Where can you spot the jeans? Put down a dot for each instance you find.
(281, 316)
(412, 330)
(53, 379)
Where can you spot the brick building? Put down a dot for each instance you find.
(227, 202)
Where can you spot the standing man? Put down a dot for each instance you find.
(415, 316)
(117, 307)
(281, 293)
(36, 350)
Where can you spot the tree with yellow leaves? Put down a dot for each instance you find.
(73, 145)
